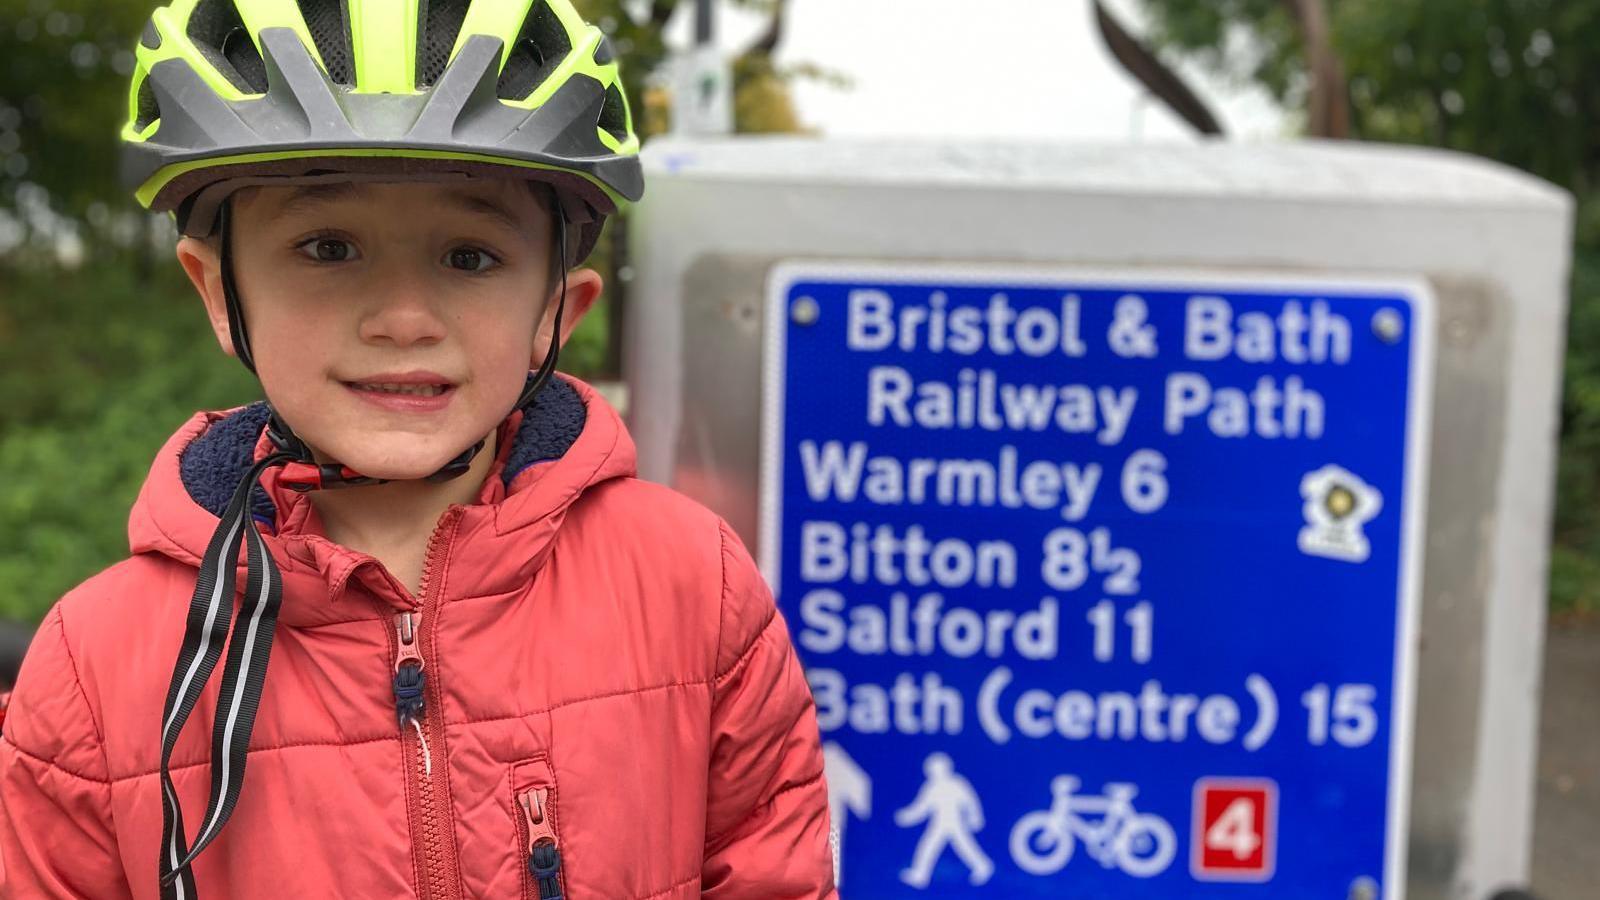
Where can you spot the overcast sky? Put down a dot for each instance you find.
(993, 69)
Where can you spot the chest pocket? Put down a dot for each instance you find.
(534, 805)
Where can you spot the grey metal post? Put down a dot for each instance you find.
(704, 21)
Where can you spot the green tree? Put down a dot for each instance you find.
(761, 91)
(64, 69)
(1516, 81)
(1513, 80)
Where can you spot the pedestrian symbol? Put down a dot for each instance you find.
(951, 808)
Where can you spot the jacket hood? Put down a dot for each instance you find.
(566, 441)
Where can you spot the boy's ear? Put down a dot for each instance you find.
(583, 289)
(202, 262)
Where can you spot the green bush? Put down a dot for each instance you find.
(98, 371)
(1575, 558)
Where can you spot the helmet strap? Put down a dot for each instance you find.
(548, 367)
(230, 290)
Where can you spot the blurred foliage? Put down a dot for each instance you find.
(104, 349)
(1508, 79)
(762, 100)
(1575, 559)
(1512, 80)
(125, 366)
(64, 69)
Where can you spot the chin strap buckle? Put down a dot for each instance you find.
(457, 467)
(305, 477)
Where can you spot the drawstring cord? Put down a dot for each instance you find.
(249, 643)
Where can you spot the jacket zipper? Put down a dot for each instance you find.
(417, 696)
(544, 850)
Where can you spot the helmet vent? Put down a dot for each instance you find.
(329, 23)
(439, 22)
(541, 46)
(149, 107)
(614, 114)
(241, 53)
(219, 34)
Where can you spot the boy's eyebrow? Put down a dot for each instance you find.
(307, 197)
(492, 208)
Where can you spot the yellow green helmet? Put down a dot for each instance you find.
(227, 93)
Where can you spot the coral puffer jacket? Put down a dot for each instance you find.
(596, 647)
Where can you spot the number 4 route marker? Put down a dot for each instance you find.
(1235, 829)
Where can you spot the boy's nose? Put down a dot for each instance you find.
(404, 317)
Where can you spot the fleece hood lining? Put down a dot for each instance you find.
(212, 464)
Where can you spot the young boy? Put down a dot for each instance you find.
(467, 653)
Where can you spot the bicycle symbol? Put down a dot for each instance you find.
(1140, 844)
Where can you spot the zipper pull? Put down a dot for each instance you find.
(408, 653)
(408, 677)
(544, 857)
(409, 681)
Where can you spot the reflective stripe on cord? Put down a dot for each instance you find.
(249, 648)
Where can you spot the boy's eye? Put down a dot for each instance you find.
(328, 250)
(469, 259)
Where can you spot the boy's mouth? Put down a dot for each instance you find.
(407, 389)
(416, 390)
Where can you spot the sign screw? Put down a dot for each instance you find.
(1388, 326)
(1363, 888)
(805, 311)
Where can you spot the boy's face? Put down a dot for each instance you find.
(392, 325)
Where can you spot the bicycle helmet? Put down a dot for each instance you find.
(225, 90)
(231, 93)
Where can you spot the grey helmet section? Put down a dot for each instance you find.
(303, 110)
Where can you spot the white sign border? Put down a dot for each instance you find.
(1414, 290)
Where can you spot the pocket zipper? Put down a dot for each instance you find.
(544, 853)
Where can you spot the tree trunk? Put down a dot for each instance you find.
(1328, 108)
(1151, 72)
(621, 293)
(768, 42)
(661, 11)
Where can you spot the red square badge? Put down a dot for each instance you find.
(1235, 834)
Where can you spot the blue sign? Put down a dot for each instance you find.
(1105, 584)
